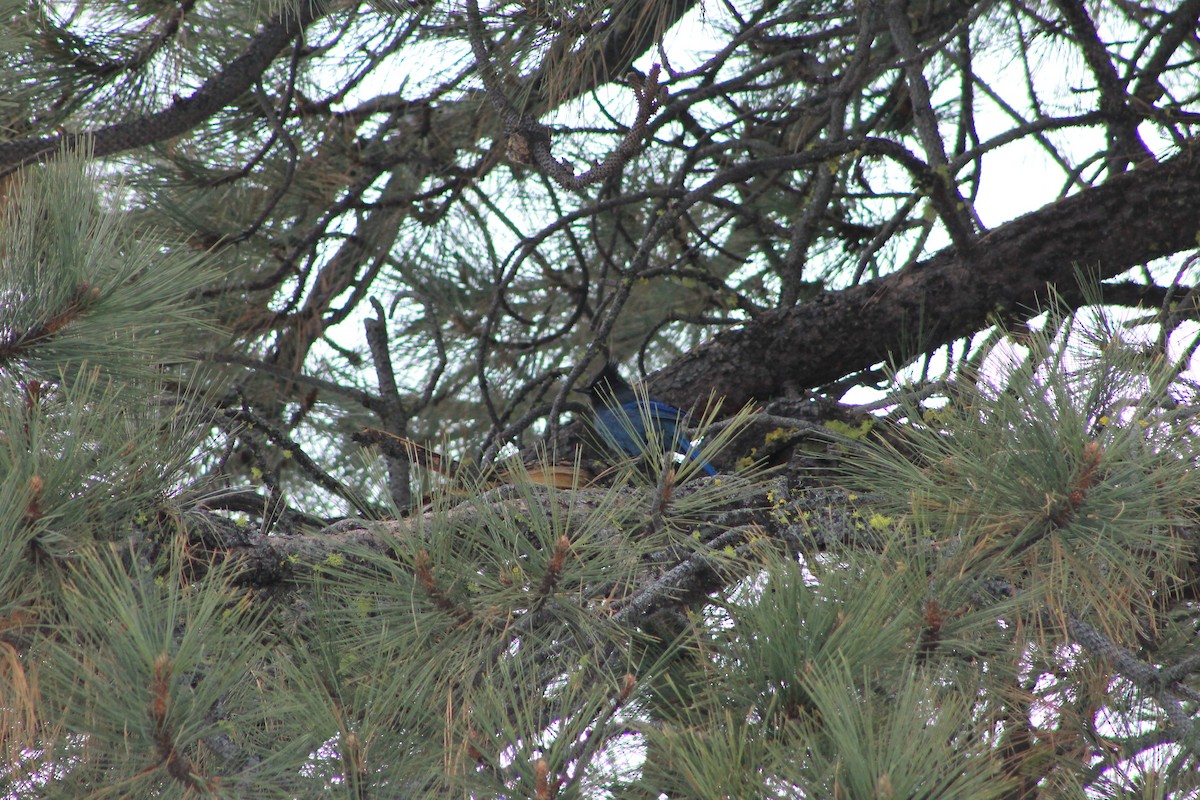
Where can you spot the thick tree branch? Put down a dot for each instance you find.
(1134, 218)
(185, 113)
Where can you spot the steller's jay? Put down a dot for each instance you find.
(622, 417)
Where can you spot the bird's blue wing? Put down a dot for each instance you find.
(668, 422)
(620, 430)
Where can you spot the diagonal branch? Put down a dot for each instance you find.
(1134, 218)
(950, 203)
(459, 123)
(1181, 24)
(185, 113)
(1125, 142)
(528, 141)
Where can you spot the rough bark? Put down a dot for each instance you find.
(1135, 217)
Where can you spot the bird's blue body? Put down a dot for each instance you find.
(624, 419)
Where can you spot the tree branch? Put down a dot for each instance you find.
(1134, 218)
(185, 113)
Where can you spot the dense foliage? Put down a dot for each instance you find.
(298, 494)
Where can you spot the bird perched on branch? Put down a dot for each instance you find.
(626, 420)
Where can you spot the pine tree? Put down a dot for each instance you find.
(299, 495)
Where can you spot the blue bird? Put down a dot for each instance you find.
(622, 417)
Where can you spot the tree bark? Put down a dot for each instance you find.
(1136, 217)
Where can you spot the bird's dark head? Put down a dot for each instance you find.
(608, 384)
